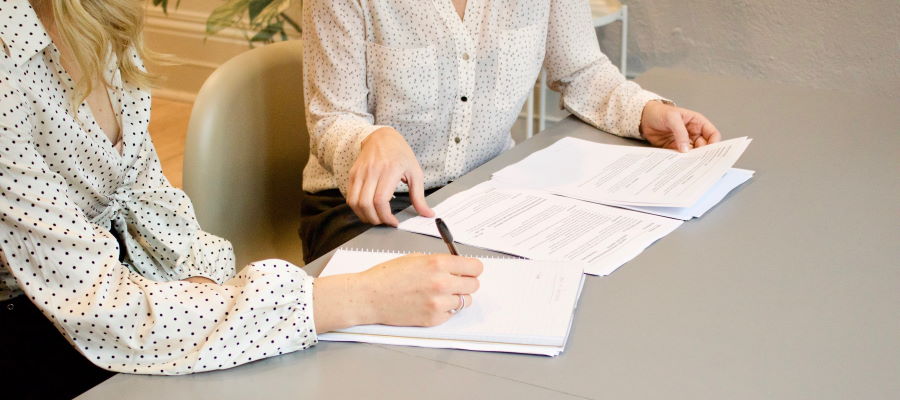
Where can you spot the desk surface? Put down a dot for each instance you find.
(789, 289)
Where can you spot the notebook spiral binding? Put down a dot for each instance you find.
(403, 253)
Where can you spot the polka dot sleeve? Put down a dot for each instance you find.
(336, 109)
(166, 242)
(592, 88)
(120, 320)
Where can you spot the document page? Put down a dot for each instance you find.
(732, 179)
(625, 175)
(519, 303)
(541, 226)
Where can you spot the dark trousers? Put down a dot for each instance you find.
(326, 221)
(36, 361)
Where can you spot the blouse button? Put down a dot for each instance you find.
(464, 99)
(10, 306)
(465, 56)
(457, 139)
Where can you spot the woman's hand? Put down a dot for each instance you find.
(676, 128)
(413, 290)
(417, 290)
(385, 160)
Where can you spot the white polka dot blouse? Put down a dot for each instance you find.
(64, 186)
(452, 87)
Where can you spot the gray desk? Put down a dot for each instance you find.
(790, 289)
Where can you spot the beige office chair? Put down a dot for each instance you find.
(247, 145)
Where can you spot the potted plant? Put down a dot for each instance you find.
(263, 21)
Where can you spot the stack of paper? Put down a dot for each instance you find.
(541, 226)
(658, 181)
(554, 204)
(521, 306)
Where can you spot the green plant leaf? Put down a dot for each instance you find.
(266, 34)
(266, 19)
(268, 15)
(291, 22)
(255, 7)
(226, 15)
(164, 4)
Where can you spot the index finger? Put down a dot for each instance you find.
(681, 138)
(383, 194)
(415, 180)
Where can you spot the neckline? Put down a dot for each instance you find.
(84, 115)
(468, 24)
(462, 18)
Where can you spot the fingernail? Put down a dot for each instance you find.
(684, 148)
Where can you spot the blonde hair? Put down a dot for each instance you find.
(95, 29)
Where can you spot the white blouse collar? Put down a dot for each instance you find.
(22, 33)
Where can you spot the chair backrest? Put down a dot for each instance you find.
(246, 147)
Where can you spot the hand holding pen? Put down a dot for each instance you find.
(448, 240)
(446, 235)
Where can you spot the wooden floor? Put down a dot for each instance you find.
(168, 128)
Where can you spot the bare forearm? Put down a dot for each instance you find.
(341, 301)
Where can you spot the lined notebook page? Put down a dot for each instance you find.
(519, 301)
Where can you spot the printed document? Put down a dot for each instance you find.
(541, 226)
(732, 179)
(624, 175)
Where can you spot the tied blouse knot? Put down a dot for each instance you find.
(138, 214)
(65, 187)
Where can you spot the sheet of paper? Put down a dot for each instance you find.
(624, 175)
(520, 305)
(551, 351)
(541, 226)
(733, 178)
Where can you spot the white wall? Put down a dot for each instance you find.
(830, 44)
(834, 44)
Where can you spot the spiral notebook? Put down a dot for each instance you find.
(522, 306)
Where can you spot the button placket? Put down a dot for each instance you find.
(463, 117)
(461, 111)
(462, 33)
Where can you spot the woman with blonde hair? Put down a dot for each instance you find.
(95, 244)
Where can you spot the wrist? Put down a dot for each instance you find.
(342, 301)
(646, 113)
(378, 135)
(650, 109)
(362, 294)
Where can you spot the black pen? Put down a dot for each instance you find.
(445, 234)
